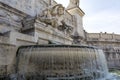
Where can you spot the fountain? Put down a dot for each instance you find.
(60, 62)
(36, 22)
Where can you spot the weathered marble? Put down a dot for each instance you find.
(10, 18)
(30, 22)
(110, 43)
(7, 55)
(31, 7)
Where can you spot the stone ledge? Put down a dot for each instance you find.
(11, 9)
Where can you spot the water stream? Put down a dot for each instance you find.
(61, 62)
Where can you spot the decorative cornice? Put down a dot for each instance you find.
(11, 9)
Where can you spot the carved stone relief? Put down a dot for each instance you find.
(55, 16)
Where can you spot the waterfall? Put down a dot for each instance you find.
(61, 62)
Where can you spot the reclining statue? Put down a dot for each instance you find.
(55, 16)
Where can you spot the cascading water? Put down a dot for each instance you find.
(60, 62)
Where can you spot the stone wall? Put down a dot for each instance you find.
(110, 43)
(31, 7)
(50, 34)
(113, 57)
(10, 18)
(7, 57)
(103, 36)
(4, 39)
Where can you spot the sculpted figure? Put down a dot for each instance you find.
(58, 14)
(60, 22)
(55, 17)
(46, 17)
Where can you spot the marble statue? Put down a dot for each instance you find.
(55, 16)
